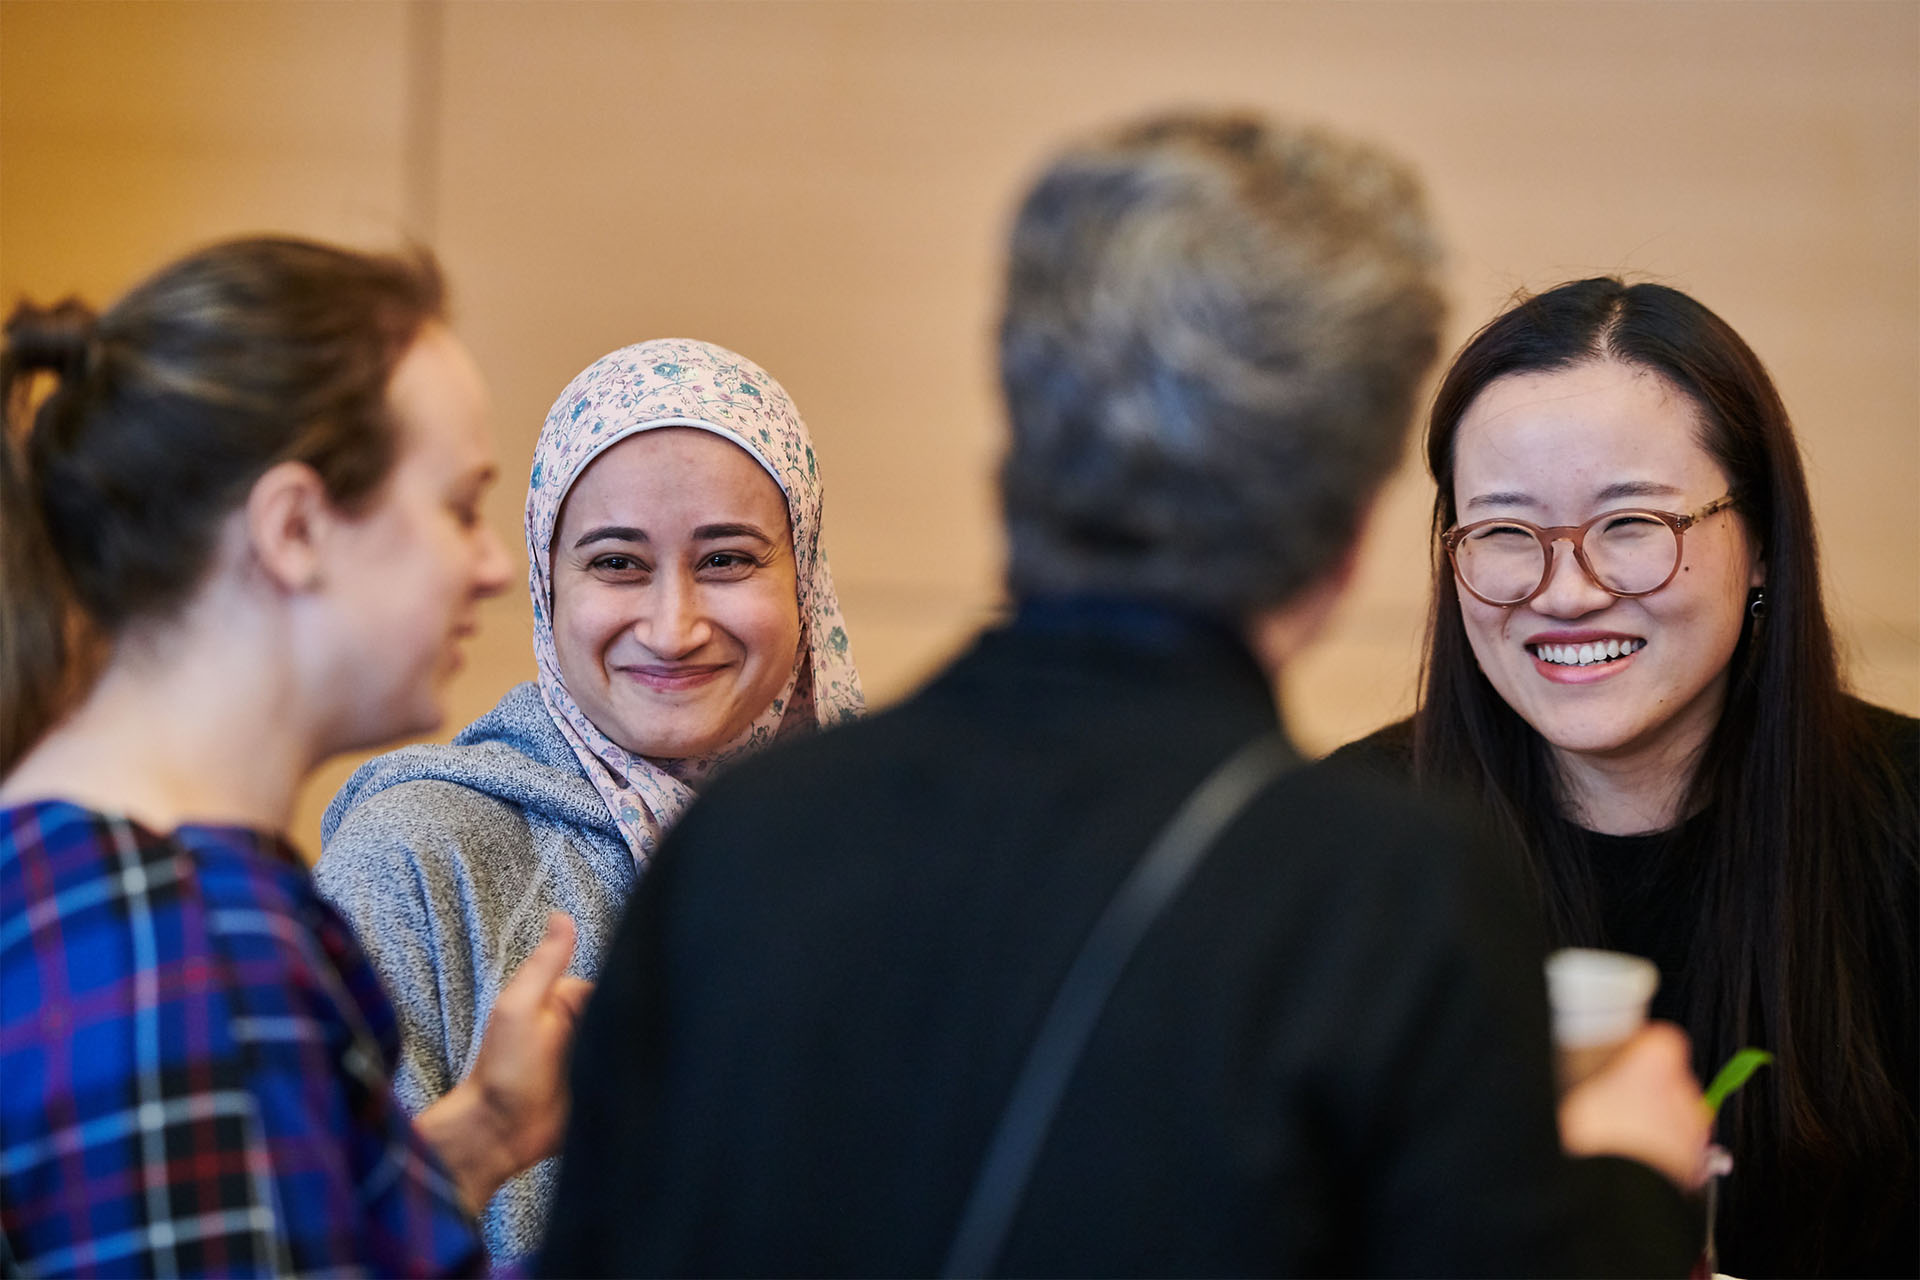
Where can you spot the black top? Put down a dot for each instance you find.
(1329, 1057)
(1648, 889)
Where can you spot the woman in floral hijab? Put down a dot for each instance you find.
(657, 628)
(679, 383)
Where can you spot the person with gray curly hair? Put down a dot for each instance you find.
(1213, 335)
(1075, 967)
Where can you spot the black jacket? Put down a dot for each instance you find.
(1329, 1057)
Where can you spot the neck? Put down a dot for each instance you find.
(1636, 791)
(184, 725)
(1622, 801)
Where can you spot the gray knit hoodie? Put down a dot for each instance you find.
(447, 859)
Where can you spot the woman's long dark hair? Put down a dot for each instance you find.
(1800, 788)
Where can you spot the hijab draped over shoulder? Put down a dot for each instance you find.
(678, 382)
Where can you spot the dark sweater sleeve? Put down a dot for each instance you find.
(1626, 1220)
(1386, 754)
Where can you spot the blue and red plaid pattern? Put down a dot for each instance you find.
(195, 1066)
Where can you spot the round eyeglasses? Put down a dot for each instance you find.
(1629, 552)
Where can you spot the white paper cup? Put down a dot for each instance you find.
(1599, 1000)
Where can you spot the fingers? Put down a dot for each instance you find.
(1662, 1056)
(1658, 1047)
(1645, 1104)
(570, 994)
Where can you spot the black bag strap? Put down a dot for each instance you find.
(1143, 896)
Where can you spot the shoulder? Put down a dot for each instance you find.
(1405, 871)
(213, 928)
(865, 776)
(510, 765)
(1361, 801)
(83, 877)
(1386, 752)
(1893, 741)
(1895, 734)
(74, 867)
(422, 811)
(823, 768)
(520, 723)
(1883, 771)
(56, 846)
(422, 828)
(263, 909)
(429, 869)
(94, 893)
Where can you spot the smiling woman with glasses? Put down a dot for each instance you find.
(1629, 666)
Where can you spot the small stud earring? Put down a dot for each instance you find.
(1757, 604)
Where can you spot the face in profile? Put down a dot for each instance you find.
(675, 613)
(1630, 679)
(414, 565)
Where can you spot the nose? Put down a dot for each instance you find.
(1569, 592)
(492, 569)
(674, 624)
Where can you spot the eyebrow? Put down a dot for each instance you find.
(708, 532)
(1618, 489)
(705, 533)
(612, 533)
(1500, 500)
(1639, 489)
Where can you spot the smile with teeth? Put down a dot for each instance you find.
(1585, 655)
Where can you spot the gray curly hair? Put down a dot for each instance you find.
(1214, 329)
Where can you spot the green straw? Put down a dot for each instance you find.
(1739, 1069)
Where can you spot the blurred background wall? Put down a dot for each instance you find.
(824, 186)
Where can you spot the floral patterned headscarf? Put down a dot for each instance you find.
(677, 382)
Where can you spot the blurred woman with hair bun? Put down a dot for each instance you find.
(241, 533)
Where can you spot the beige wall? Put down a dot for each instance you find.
(824, 187)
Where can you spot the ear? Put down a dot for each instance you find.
(1334, 583)
(1278, 633)
(287, 516)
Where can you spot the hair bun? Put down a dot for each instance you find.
(59, 338)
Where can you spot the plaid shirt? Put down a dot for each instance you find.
(195, 1065)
